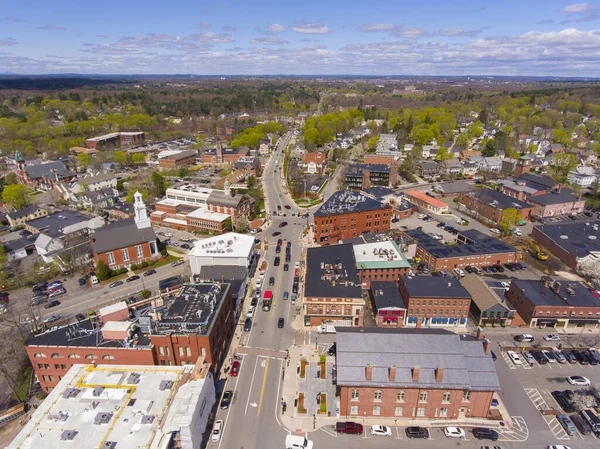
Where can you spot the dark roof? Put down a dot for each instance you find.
(222, 272)
(377, 192)
(245, 160)
(474, 243)
(454, 187)
(553, 198)
(52, 225)
(386, 295)
(541, 295)
(434, 287)
(331, 272)
(577, 241)
(357, 169)
(100, 194)
(345, 201)
(17, 244)
(220, 198)
(225, 151)
(48, 170)
(465, 364)
(428, 165)
(19, 213)
(121, 234)
(502, 201)
(181, 155)
(81, 334)
(542, 181)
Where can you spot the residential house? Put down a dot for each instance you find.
(264, 148)
(99, 199)
(20, 216)
(582, 176)
(312, 162)
(429, 169)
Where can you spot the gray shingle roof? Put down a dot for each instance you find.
(465, 364)
(121, 234)
(48, 170)
(434, 287)
(53, 224)
(553, 198)
(19, 213)
(220, 198)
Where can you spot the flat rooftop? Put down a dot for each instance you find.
(345, 201)
(203, 214)
(580, 239)
(53, 225)
(386, 295)
(331, 272)
(230, 244)
(94, 406)
(385, 254)
(434, 287)
(542, 295)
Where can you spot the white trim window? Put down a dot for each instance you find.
(125, 254)
(139, 253)
(111, 258)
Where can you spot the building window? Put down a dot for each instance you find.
(74, 356)
(56, 356)
(138, 251)
(400, 396)
(125, 254)
(466, 396)
(398, 411)
(354, 409)
(376, 410)
(423, 396)
(447, 396)
(354, 395)
(39, 355)
(443, 412)
(91, 356)
(180, 348)
(377, 395)
(421, 411)
(188, 351)
(111, 258)
(161, 351)
(108, 357)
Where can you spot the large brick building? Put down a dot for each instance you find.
(381, 260)
(363, 176)
(556, 203)
(126, 242)
(435, 301)
(197, 322)
(388, 305)
(474, 248)
(347, 215)
(220, 155)
(413, 374)
(176, 159)
(572, 243)
(554, 303)
(332, 290)
(491, 204)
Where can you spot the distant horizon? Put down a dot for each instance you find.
(536, 38)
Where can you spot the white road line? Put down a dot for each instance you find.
(279, 395)
(251, 383)
(229, 408)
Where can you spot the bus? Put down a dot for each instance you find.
(267, 300)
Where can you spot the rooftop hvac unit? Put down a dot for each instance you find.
(97, 391)
(592, 237)
(103, 418)
(68, 435)
(109, 445)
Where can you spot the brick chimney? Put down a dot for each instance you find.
(479, 335)
(486, 346)
(368, 372)
(439, 374)
(415, 373)
(392, 373)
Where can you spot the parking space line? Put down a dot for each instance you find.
(508, 361)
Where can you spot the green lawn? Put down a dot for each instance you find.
(25, 379)
(170, 259)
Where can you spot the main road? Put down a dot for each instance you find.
(251, 421)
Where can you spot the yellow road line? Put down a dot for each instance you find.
(262, 390)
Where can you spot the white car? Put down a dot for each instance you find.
(495, 231)
(506, 285)
(560, 446)
(421, 216)
(580, 381)
(168, 234)
(94, 279)
(516, 358)
(297, 265)
(217, 429)
(551, 337)
(454, 432)
(250, 312)
(459, 271)
(381, 430)
(517, 232)
(259, 282)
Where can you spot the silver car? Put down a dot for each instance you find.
(559, 357)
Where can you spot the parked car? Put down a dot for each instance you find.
(417, 432)
(562, 400)
(217, 429)
(381, 430)
(524, 338)
(81, 282)
(528, 357)
(539, 357)
(52, 303)
(483, 433)
(516, 358)
(349, 427)
(57, 292)
(578, 380)
(248, 325)
(115, 284)
(459, 271)
(133, 278)
(569, 356)
(280, 322)
(551, 337)
(549, 356)
(332, 349)
(559, 357)
(454, 432)
(226, 400)
(495, 231)
(583, 427)
(567, 424)
(235, 368)
(178, 262)
(149, 273)
(51, 319)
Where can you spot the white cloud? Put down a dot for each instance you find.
(276, 28)
(268, 41)
(579, 8)
(214, 38)
(228, 28)
(412, 33)
(311, 28)
(375, 27)
(8, 42)
(582, 19)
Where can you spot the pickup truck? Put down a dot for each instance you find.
(348, 427)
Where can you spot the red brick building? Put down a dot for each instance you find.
(388, 306)
(180, 159)
(413, 374)
(249, 165)
(175, 214)
(380, 260)
(491, 205)
(126, 242)
(554, 303)
(220, 155)
(188, 329)
(347, 215)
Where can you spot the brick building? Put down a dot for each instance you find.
(556, 203)
(115, 139)
(249, 165)
(312, 162)
(435, 301)
(491, 205)
(401, 207)
(554, 303)
(474, 248)
(379, 260)
(180, 215)
(426, 202)
(363, 176)
(126, 242)
(44, 176)
(418, 374)
(529, 184)
(132, 138)
(388, 306)
(347, 215)
(198, 322)
(379, 159)
(220, 155)
(176, 159)
(332, 289)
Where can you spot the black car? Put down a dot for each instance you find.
(272, 280)
(483, 433)
(226, 399)
(569, 356)
(80, 317)
(283, 224)
(277, 261)
(288, 250)
(499, 268)
(149, 272)
(295, 288)
(591, 358)
(280, 323)
(81, 281)
(278, 249)
(562, 400)
(276, 233)
(52, 303)
(286, 267)
(254, 302)
(288, 257)
(332, 349)
(539, 357)
(439, 225)
(417, 432)
(248, 325)
(289, 244)
(581, 357)
(583, 427)
(133, 278)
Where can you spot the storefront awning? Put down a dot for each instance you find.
(547, 321)
(583, 321)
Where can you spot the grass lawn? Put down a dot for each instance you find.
(170, 259)
(25, 379)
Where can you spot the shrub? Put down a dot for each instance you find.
(146, 294)
(164, 252)
(323, 407)
(323, 358)
(122, 270)
(102, 271)
(144, 264)
(133, 267)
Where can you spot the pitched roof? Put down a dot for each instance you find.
(498, 200)
(220, 198)
(121, 234)
(48, 170)
(553, 198)
(426, 198)
(317, 158)
(465, 364)
(481, 293)
(20, 213)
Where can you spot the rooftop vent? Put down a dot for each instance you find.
(68, 435)
(148, 419)
(109, 445)
(564, 237)
(97, 391)
(165, 385)
(134, 378)
(103, 418)
(71, 393)
(592, 237)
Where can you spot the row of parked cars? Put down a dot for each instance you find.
(586, 422)
(481, 433)
(42, 291)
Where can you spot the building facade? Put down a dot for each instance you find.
(426, 202)
(491, 205)
(176, 160)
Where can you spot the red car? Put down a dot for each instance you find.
(235, 369)
(297, 272)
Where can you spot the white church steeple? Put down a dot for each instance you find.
(141, 214)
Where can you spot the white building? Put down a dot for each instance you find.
(582, 176)
(123, 407)
(189, 193)
(228, 249)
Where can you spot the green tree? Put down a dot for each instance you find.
(121, 157)
(509, 219)
(424, 136)
(159, 182)
(443, 154)
(17, 195)
(138, 159)
(102, 271)
(11, 178)
(83, 160)
(559, 136)
(462, 140)
(561, 165)
(372, 143)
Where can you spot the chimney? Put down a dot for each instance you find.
(415, 373)
(392, 373)
(368, 372)
(479, 335)
(439, 374)
(486, 346)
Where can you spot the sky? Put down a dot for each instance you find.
(301, 37)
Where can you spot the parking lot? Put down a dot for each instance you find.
(175, 236)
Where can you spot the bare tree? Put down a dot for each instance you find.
(590, 270)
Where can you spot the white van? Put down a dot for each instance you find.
(297, 442)
(94, 279)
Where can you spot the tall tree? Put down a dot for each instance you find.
(159, 182)
(11, 178)
(561, 165)
(17, 195)
(83, 160)
(138, 159)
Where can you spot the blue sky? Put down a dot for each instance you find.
(427, 37)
